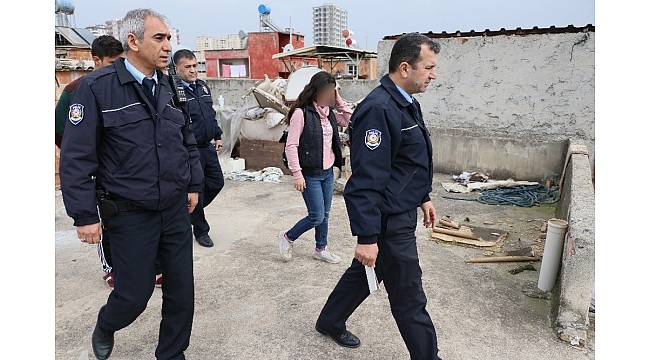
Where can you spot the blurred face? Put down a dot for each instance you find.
(105, 61)
(152, 51)
(186, 69)
(416, 79)
(327, 96)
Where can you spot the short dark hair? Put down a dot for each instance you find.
(106, 46)
(183, 54)
(407, 49)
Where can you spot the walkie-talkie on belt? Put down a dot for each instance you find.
(176, 83)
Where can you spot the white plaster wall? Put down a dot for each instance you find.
(533, 86)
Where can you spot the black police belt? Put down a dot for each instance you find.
(109, 206)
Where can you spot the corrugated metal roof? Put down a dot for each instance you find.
(503, 31)
(74, 37)
(328, 51)
(85, 34)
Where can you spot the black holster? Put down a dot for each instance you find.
(107, 208)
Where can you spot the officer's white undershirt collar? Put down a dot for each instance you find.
(185, 83)
(406, 95)
(137, 74)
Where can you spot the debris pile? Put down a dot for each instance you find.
(494, 242)
(500, 192)
(269, 174)
(262, 115)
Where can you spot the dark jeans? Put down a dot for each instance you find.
(137, 237)
(318, 198)
(398, 266)
(212, 185)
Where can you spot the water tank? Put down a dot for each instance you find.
(264, 9)
(64, 7)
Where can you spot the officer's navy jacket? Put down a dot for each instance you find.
(117, 140)
(203, 117)
(390, 152)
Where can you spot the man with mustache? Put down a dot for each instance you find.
(391, 177)
(128, 150)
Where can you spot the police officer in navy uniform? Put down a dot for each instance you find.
(208, 138)
(128, 150)
(391, 177)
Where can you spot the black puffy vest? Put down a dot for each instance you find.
(310, 149)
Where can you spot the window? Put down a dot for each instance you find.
(353, 70)
(200, 68)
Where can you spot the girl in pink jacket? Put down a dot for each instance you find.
(313, 148)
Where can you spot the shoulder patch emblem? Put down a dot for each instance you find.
(76, 113)
(205, 89)
(373, 138)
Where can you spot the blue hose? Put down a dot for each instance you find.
(524, 196)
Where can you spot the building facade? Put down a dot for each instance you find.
(99, 30)
(231, 41)
(254, 61)
(329, 21)
(114, 28)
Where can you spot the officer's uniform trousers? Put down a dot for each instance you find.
(106, 258)
(398, 267)
(213, 183)
(137, 236)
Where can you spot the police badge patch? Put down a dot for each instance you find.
(205, 89)
(76, 113)
(373, 138)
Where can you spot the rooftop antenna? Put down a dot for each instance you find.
(289, 46)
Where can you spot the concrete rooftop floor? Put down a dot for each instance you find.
(251, 305)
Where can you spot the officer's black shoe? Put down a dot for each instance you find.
(103, 342)
(204, 240)
(345, 339)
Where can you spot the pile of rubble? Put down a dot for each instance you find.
(262, 116)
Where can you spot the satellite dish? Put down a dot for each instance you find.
(287, 48)
(298, 80)
(242, 34)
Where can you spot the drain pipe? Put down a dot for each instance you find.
(552, 259)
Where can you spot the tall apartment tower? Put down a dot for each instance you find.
(329, 21)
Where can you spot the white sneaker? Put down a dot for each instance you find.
(327, 256)
(285, 245)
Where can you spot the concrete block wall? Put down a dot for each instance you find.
(501, 157)
(574, 288)
(355, 90)
(527, 89)
(233, 89)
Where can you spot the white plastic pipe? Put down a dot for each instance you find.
(555, 232)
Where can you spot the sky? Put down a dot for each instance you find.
(370, 20)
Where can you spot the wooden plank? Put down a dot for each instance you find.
(464, 241)
(260, 154)
(449, 223)
(456, 233)
(495, 259)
